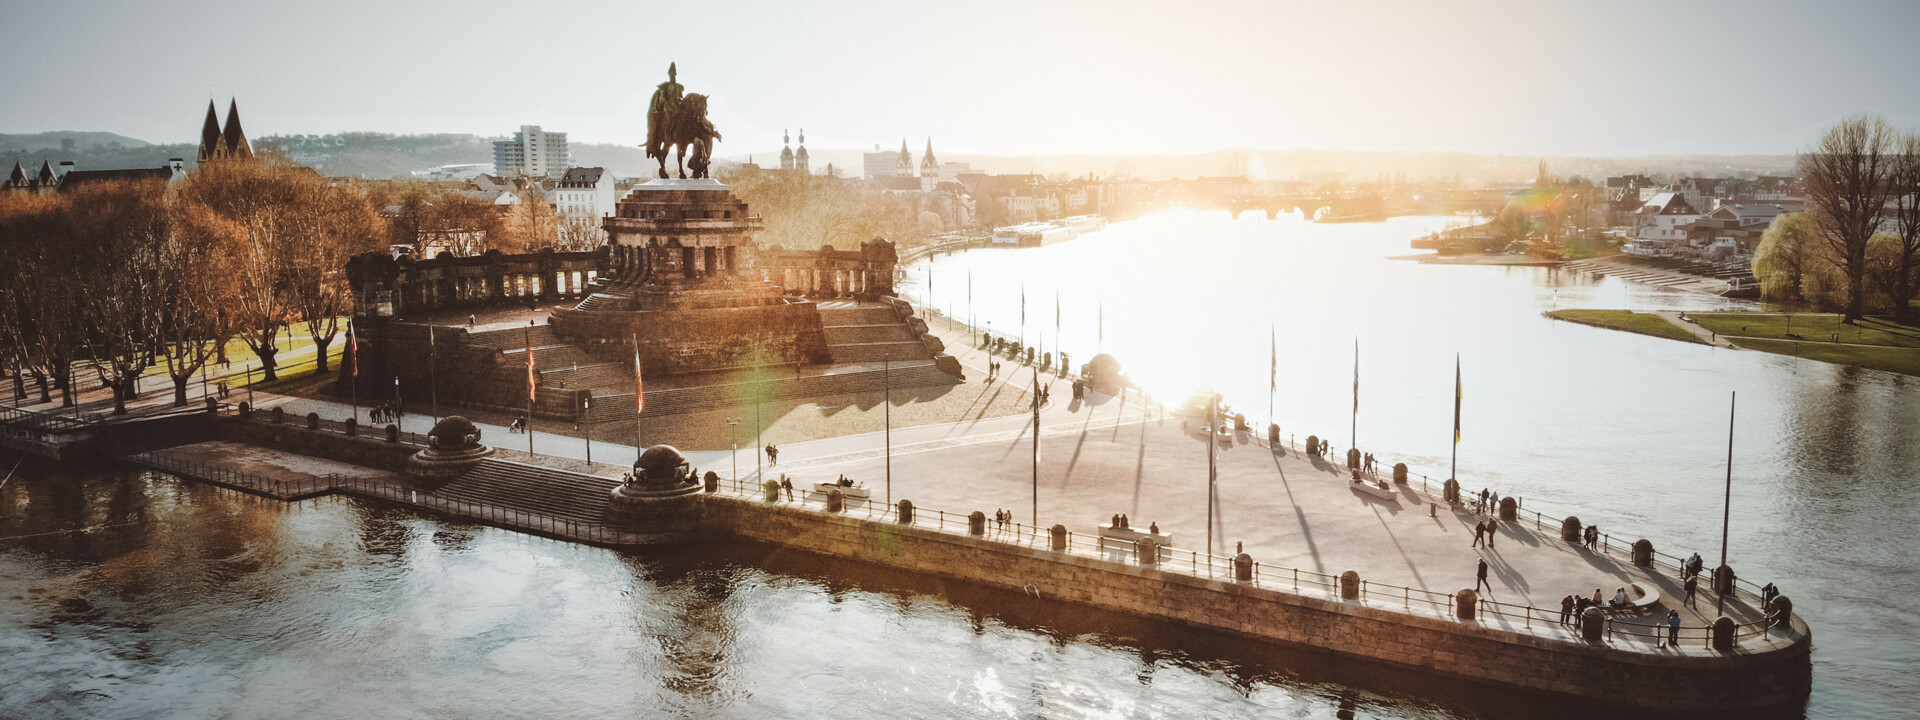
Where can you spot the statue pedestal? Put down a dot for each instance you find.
(670, 513)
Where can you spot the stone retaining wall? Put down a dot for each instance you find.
(1593, 673)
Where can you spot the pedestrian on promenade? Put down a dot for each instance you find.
(469, 319)
(1115, 523)
(1673, 628)
(1691, 587)
(1566, 610)
(1493, 502)
(1493, 528)
(1239, 548)
(1481, 577)
(1479, 533)
(773, 454)
(1593, 536)
(1483, 499)
(1124, 524)
(1153, 527)
(1596, 597)
(787, 485)
(1767, 593)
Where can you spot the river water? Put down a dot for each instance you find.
(181, 600)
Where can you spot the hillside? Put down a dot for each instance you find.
(52, 141)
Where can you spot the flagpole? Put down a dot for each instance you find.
(1036, 449)
(639, 397)
(433, 376)
(1353, 438)
(527, 334)
(353, 337)
(886, 369)
(1213, 412)
(1726, 515)
(1273, 370)
(1453, 472)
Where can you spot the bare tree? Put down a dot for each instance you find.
(200, 280)
(1905, 179)
(36, 286)
(1847, 185)
(338, 223)
(117, 232)
(258, 199)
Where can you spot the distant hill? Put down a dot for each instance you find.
(52, 141)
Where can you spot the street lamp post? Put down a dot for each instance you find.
(735, 455)
(887, 375)
(586, 412)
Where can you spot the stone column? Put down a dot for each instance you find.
(1466, 605)
(905, 514)
(1782, 611)
(1723, 634)
(1723, 580)
(1349, 585)
(1243, 567)
(770, 490)
(1058, 537)
(1147, 551)
(835, 501)
(977, 523)
(1570, 530)
(1400, 473)
(1643, 553)
(1509, 509)
(1593, 625)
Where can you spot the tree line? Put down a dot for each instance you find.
(1856, 248)
(119, 277)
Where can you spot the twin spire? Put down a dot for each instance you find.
(217, 143)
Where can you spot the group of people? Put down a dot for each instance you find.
(773, 455)
(1367, 465)
(1120, 522)
(1002, 517)
(519, 425)
(1592, 536)
(1489, 501)
(993, 370)
(389, 411)
(1484, 531)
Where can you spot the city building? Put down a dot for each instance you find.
(1660, 224)
(791, 159)
(584, 196)
(532, 153)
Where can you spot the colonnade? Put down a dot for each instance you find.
(691, 263)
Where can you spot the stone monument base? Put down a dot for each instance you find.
(671, 514)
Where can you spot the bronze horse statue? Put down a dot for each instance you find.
(681, 125)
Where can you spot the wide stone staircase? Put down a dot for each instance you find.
(868, 334)
(543, 491)
(620, 406)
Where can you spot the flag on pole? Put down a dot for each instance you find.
(1356, 377)
(639, 389)
(353, 344)
(1023, 306)
(533, 380)
(1457, 395)
(1273, 370)
(1103, 321)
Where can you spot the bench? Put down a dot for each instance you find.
(1130, 536)
(856, 491)
(1371, 488)
(1644, 598)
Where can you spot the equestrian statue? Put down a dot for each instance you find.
(678, 123)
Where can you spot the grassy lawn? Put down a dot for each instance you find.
(1813, 327)
(1629, 321)
(1899, 360)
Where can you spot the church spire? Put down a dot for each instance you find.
(236, 139)
(210, 133)
(800, 156)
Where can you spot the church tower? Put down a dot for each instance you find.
(786, 153)
(800, 157)
(929, 167)
(904, 168)
(224, 144)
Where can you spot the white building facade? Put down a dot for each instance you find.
(533, 153)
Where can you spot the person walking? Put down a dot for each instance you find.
(1479, 533)
(1691, 587)
(1566, 610)
(1593, 536)
(1480, 577)
(773, 454)
(1483, 499)
(1673, 628)
(1493, 528)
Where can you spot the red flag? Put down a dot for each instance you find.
(532, 379)
(639, 390)
(353, 344)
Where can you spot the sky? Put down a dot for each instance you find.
(1003, 78)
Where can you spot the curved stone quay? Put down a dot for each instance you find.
(1325, 565)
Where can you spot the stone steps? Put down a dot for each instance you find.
(903, 351)
(858, 316)
(596, 376)
(614, 407)
(570, 496)
(850, 334)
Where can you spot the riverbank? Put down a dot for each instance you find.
(1874, 343)
(1503, 260)
(1629, 321)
